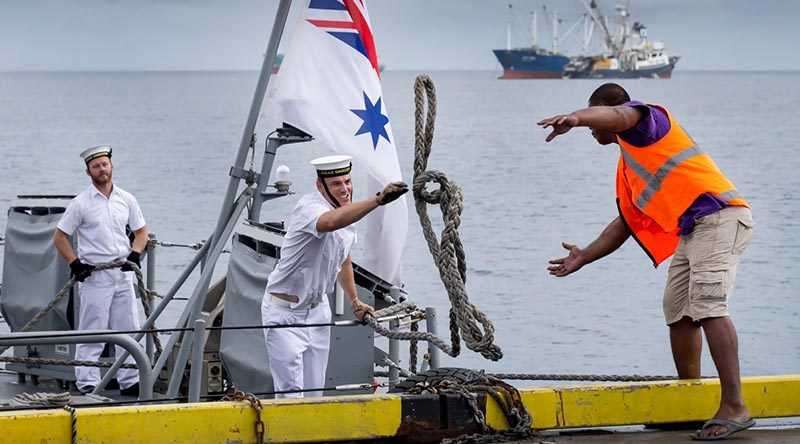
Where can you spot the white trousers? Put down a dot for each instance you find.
(298, 357)
(107, 302)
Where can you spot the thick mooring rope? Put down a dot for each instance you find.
(508, 398)
(407, 306)
(465, 318)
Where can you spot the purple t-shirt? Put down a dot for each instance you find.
(654, 125)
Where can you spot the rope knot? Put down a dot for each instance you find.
(448, 253)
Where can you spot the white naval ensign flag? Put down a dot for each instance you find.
(329, 86)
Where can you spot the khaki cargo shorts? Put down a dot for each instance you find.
(703, 269)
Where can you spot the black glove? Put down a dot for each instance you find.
(133, 257)
(80, 270)
(392, 192)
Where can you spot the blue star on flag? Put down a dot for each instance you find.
(374, 121)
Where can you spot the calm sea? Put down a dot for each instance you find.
(175, 136)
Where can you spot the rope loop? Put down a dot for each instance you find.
(448, 253)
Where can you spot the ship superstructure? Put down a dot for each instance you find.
(627, 52)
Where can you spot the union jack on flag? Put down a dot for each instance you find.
(346, 20)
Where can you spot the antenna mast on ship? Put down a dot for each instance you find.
(600, 19)
(588, 31)
(555, 31)
(508, 26)
(534, 31)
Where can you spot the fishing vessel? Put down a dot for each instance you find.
(215, 348)
(627, 51)
(532, 62)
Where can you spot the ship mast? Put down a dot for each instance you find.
(600, 19)
(534, 31)
(588, 30)
(508, 27)
(555, 31)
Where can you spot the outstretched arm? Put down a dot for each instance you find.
(346, 215)
(614, 235)
(349, 214)
(611, 118)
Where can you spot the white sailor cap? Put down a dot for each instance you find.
(332, 166)
(94, 152)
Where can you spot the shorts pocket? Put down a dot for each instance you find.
(744, 234)
(709, 285)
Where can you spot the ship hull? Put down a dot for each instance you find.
(656, 72)
(530, 64)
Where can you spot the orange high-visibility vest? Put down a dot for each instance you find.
(657, 183)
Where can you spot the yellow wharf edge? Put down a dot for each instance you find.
(614, 404)
(376, 416)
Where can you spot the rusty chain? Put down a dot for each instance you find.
(255, 403)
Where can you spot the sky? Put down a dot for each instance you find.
(410, 34)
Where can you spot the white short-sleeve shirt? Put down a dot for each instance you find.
(99, 223)
(310, 261)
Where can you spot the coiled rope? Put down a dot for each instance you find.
(508, 398)
(448, 254)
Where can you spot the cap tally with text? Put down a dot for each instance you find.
(332, 166)
(95, 152)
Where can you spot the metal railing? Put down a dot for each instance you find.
(91, 337)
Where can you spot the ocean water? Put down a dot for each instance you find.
(176, 134)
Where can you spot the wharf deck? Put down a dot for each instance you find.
(598, 410)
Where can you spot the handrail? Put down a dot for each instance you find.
(95, 337)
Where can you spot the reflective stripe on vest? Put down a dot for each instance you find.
(654, 181)
(657, 183)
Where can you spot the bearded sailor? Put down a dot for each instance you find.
(98, 217)
(315, 256)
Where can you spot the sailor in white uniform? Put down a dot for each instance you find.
(314, 256)
(97, 217)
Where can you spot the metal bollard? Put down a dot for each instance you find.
(430, 324)
(151, 283)
(198, 346)
(394, 293)
(394, 354)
